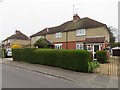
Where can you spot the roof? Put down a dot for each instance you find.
(43, 32)
(116, 48)
(47, 42)
(71, 25)
(95, 40)
(18, 35)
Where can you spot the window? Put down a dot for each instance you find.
(58, 35)
(89, 47)
(80, 46)
(80, 32)
(58, 46)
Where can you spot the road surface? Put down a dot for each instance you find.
(13, 77)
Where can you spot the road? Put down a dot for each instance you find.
(13, 77)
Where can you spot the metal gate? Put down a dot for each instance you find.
(110, 68)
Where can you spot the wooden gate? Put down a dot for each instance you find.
(110, 68)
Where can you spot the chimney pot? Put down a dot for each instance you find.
(76, 17)
(17, 31)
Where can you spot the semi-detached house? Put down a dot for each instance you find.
(18, 38)
(79, 33)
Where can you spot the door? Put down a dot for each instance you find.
(95, 49)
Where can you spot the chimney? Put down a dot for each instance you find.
(76, 17)
(47, 29)
(17, 31)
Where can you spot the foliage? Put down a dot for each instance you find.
(93, 65)
(3, 53)
(41, 43)
(117, 44)
(76, 60)
(111, 31)
(101, 56)
(16, 46)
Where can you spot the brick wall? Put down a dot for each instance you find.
(69, 45)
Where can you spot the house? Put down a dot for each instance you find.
(17, 38)
(79, 33)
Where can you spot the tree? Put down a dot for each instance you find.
(41, 43)
(117, 44)
(112, 32)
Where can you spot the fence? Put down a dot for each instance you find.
(110, 68)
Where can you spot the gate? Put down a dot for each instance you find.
(110, 68)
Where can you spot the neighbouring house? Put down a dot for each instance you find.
(79, 33)
(16, 39)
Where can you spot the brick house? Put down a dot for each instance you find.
(79, 33)
(17, 38)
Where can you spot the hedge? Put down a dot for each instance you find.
(101, 56)
(76, 60)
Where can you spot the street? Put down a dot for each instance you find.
(13, 77)
(24, 75)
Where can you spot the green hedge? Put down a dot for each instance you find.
(101, 56)
(77, 60)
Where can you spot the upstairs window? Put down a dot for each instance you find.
(58, 35)
(80, 32)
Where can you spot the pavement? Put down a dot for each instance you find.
(93, 80)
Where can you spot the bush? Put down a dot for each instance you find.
(93, 65)
(76, 60)
(16, 46)
(101, 56)
(3, 53)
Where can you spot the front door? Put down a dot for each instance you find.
(95, 49)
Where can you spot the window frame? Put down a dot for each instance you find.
(79, 46)
(78, 32)
(58, 35)
(58, 45)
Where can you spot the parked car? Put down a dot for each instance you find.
(8, 52)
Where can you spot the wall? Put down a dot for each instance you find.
(21, 42)
(72, 38)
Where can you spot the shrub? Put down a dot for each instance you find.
(16, 46)
(93, 65)
(101, 56)
(76, 60)
(3, 53)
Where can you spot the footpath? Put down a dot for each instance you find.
(91, 79)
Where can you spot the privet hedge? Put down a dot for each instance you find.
(77, 60)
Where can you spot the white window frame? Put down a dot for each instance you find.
(79, 46)
(58, 46)
(58, 35)
(79, 32)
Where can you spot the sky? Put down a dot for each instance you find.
(31, 16)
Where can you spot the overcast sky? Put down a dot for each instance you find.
(31, 16)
